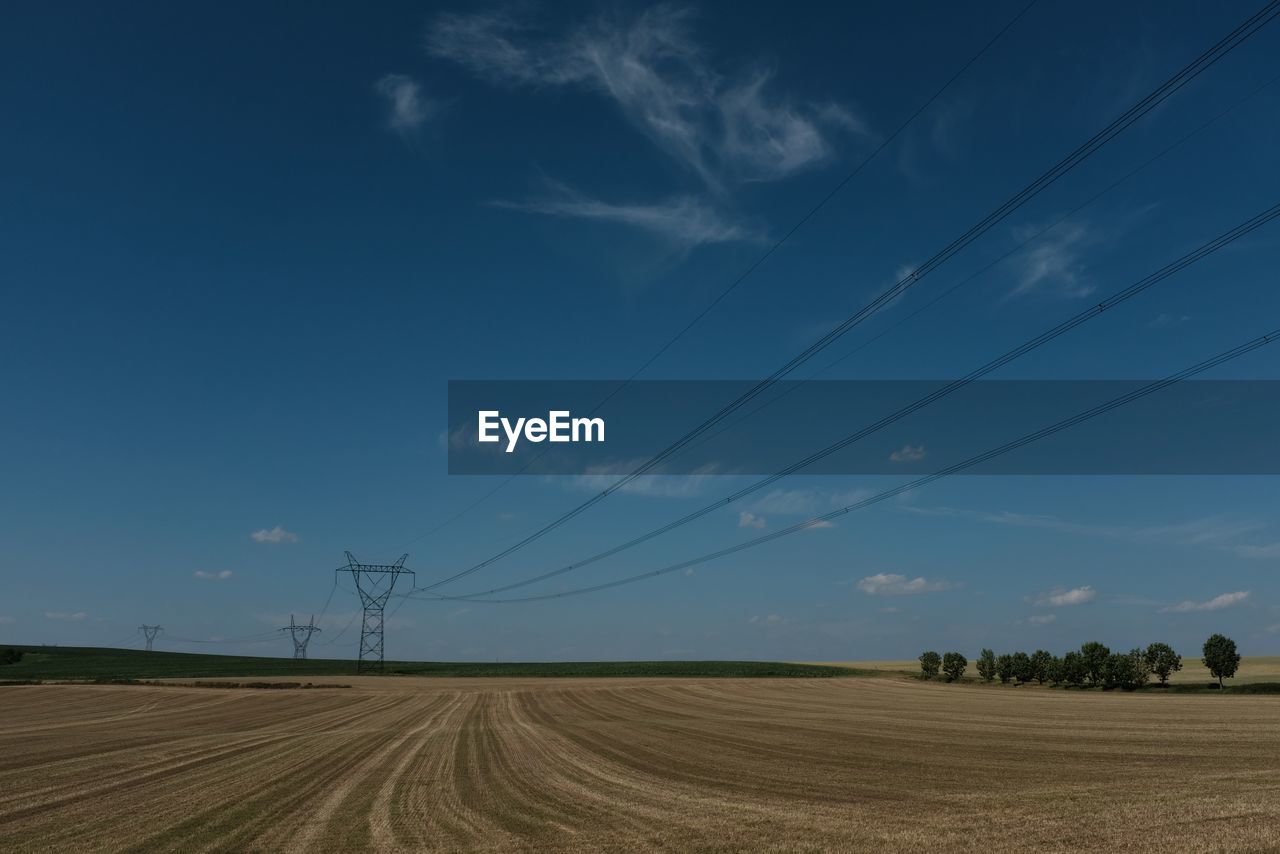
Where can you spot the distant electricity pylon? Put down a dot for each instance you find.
(150, 632)
(301, 635)
(374, 583)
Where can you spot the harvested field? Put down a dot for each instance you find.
(625, 764)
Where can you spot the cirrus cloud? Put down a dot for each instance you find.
(408, 108)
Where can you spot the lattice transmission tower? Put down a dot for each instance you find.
(150, 632)
(301, 635)
(374, 583)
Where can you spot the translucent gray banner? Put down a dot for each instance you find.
(562, 427)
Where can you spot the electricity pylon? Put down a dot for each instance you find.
(301, 635)
(374, 583)
(150, 632)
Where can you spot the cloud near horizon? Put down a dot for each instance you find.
(1059, 597)
(1217, 603)
(890, 584)
(275, 535)
(222, 575)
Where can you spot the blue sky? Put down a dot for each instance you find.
(245, 248)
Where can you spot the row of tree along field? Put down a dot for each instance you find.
(1094, 664)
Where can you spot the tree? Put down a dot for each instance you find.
(1021, 667)
(1073, 669)
(1056, 672)
(1220, 657)
(1161, 660)
(1094, 657)
(987, 665)
(1041, 660)
(954, 665)
(10, 656)
(1004, 668)
(1125, 670)
(930, 661)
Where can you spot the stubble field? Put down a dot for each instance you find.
(626, 764)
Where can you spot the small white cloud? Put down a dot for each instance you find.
(1060, 597)
(1162, 320)
(689, 572)
(1054, 263)
(222, 575)
(409, 109)
(908, 454)
(889, 584)
(750, 520)
(598, 478)
(770, 620)
(275, 535)
(1042, 619)
(801, 502)
(1217, 603)
(65, 615)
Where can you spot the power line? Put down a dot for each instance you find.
(1027, 439)
(745, 274)
(1141, 108)
(1133, 290)
(990, 265)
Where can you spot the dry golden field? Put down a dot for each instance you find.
(633, 764)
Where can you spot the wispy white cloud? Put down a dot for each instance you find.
(770, 620)
(801, 502)
(1208, 530)
(908, 454)
(1164, 320)
(683, 221)
(220, 575)
(660, 79)
(890, 584)
(1217, 603)
(1053, 262)
(275, 535)
(1059, 597)
(1042, 619)
(1271, 550)
(76, 616)
(407, 107)
(602, 477)
(750, 520)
